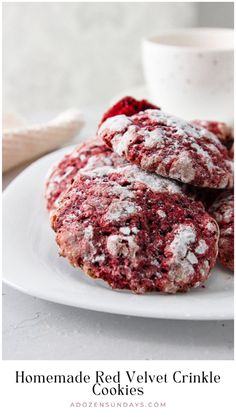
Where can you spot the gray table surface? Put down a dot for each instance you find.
(37, 329)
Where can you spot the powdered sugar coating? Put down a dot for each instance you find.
(117, 124)
(201, 248)
(223, 211)
(144, 238)
(121, 209)
(134, 174)
(171, 147)
(182, 260)
(120, 245)
(88, 155)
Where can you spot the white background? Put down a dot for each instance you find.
(58, 55)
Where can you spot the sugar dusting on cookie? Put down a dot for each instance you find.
(171, 147)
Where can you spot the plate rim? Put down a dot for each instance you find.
(102, 309)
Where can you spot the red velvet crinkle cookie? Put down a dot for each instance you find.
(169, 146)
(90, 154)
(135, 230)
(127, 106)
(223, 131)
(223, 211)
(231, 152)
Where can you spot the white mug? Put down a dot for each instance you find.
(189, 72)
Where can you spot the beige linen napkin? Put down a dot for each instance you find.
(22, 143)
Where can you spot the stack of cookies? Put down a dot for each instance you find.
(147, 204)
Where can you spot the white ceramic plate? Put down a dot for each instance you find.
(32, 265)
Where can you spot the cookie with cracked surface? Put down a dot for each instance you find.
(223, 212)
(222, 130)
(169, 146)
(90, 154)
(136, 231)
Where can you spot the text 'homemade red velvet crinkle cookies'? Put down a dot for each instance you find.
(169, 146)
(135, 231)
